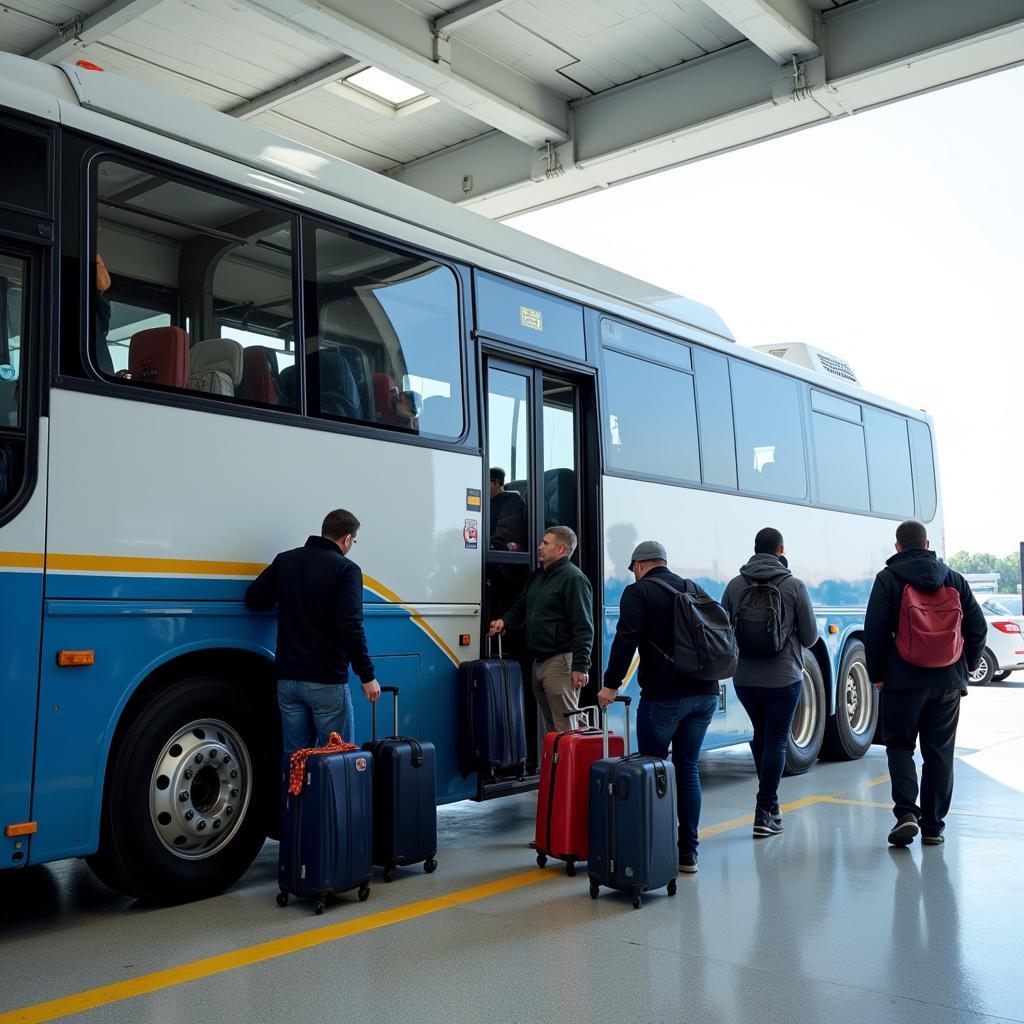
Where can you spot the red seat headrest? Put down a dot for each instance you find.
(159, 355)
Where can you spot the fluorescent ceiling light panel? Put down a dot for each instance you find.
(384, 86)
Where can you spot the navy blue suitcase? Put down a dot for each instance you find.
(326, 831)
(633, 840)
(493, 726)
(404, 798)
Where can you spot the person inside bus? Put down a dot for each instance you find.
(508, 515)
(101, 304)
(318, 591)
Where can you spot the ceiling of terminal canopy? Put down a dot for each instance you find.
(509, 105)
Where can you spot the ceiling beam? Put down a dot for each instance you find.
(75, 35)
(390, 36)
(780, 28)
(873, 54)
(310, 82)
(462, 15)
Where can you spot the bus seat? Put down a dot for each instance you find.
(559, 498)
(260, 379)
(385, 391)
(339, 394)
(215, 366)
(159, 355)
(287, 381)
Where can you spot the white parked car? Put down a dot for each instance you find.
(1004, 649)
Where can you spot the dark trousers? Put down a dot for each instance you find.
(771, 711)
(683, 723)
(929, 717)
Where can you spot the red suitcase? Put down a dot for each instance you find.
(563, 796)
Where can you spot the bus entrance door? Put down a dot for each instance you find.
(535, 458)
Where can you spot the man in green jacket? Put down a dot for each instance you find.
(557, 608)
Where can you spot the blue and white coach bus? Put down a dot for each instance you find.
(161, 267)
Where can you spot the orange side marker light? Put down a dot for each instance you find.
(73, 659)
(22, 828)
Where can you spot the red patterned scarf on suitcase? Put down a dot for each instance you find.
(297, 771)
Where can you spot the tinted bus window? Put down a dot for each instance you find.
(714, 405)
(651, 419)
(12, 334)
(892, 485)
(840, 462)
(924, 469)
(769, 433)
(24, 170)
(390, 348)
(643, 343)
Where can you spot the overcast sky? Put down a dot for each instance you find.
(892, 238)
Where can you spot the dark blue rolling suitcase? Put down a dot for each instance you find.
(491, 707)
(633, 838)
(326, 830)
(404, 798)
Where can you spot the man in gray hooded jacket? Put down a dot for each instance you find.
(772, 615)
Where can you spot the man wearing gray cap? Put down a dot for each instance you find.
(674, 709)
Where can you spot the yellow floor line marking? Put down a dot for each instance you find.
(888, 807)
(146, 983)
(747, 819)
(876, 782)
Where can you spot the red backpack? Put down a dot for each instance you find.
(928, 634)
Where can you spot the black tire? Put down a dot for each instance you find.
(808, 730)
(986, 669)
(137, 854)
(849, 732)
(1000, 676)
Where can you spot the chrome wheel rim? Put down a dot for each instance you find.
(858, 698)
(806, 717)
(200, 788)
(980, 672)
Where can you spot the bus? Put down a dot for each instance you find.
(210, 336)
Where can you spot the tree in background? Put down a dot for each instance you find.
(1008, 567)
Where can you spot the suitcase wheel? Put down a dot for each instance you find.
(430, 866)
(541, 860)
(388, 875)
(672, 887)
(318, 907)
(570, 868)
(637, 901)
(595, 889)
(282, 899)
(364, 893)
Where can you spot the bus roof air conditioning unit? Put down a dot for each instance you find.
(812, 358)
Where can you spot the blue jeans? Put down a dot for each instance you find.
(310, 712)
(771, 710)
(683, 723)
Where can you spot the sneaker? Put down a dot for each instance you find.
(765, 824)
(933, 838)
(688, 863)
(776, 815)
(903, 831)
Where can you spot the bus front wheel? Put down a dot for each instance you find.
(808, 728)
(849, 732)
(186, 788)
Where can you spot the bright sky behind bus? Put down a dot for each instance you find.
(893, 239)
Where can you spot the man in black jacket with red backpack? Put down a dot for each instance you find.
(923, 632)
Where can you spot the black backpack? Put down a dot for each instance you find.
(758, 620)
(704, 646)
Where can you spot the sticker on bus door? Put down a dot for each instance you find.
(470, 534)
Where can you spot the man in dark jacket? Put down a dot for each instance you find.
(557, 608)
(319, 598)
(769, 686)
(919, 702)
(673, 709)
(508, 515)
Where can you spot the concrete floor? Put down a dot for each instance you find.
(825, 923)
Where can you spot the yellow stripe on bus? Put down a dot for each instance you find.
(163, 566)
(20, 560)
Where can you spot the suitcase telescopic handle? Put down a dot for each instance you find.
(603, 713)
(490, 646)
(394, 691)
(584, 711)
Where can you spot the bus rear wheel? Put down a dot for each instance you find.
(849, 732)
(186, 788)
(808, 728)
